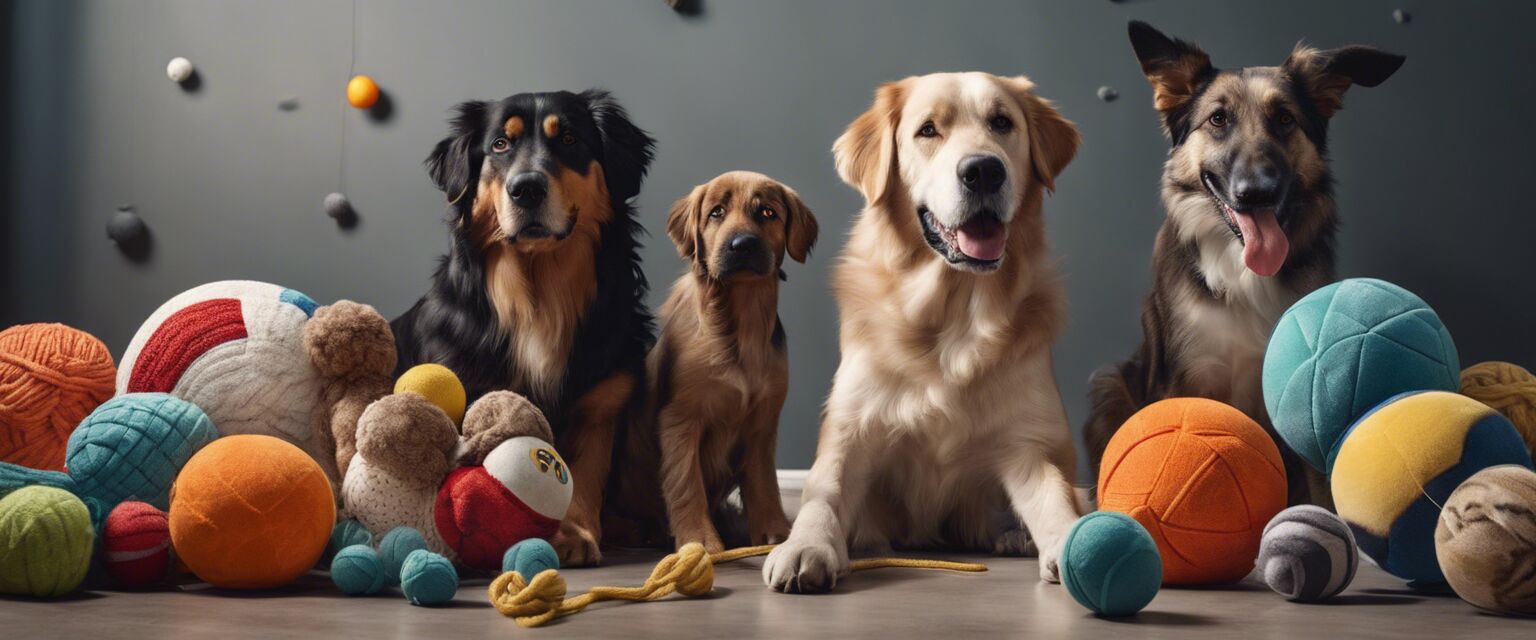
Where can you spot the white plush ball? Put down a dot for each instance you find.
(179, 70)
(534, 473)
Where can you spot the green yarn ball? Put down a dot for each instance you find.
(347, 533)
(428, 579)
(530, 557)
(46, 539)
(1110, 564)
(396, 544)
(357, 570)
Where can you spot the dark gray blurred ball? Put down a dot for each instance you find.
(337, 207)
(1108, 94)
(126, 227)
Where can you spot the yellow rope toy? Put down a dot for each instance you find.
(690, 572)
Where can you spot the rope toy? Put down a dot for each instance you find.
(690, 572)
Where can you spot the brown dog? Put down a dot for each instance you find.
(719, 372)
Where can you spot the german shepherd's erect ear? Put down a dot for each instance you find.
(800, 227)
(1175, 68)
(627, 151)
(1326, 74)
(454, 164)
(866, 153)
(683, 225)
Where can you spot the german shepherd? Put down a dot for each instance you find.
(1250, 227)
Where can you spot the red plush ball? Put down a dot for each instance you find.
(136, 544)
(522, 492)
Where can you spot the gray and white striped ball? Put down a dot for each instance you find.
(1307, 554)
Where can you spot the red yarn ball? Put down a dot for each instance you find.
(51, 377)
(136, 544)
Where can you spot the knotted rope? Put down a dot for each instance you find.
(690, 572)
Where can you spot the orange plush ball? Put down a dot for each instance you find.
(1203, 478)
(251, 512)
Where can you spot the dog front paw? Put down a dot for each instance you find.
(1050, 564)
(576, 545)
(799, 566)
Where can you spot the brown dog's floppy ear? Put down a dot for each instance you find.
(454, 164)
(799, 226)
(1174, 67)
(866, 152)
(1326, 75)
(1053, 140)
(683, 224)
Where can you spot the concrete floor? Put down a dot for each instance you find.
(886, 603)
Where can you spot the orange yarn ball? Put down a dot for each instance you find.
(362, 92)
(1203, 478)
(51, 377)
(251, 512)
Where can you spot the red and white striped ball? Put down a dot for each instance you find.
(136, 544)
(521, 492)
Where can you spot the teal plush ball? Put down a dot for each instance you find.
(357, 570)
(347, 533)
(530, 557)
(1110, 564)
(46, 540)
(428, 579)
(132, 446)
(395, 546)
(1345, 348)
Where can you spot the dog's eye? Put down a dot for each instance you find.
(1218, 119)
(768, 213)
(568, 138)
(500, 145)
(1002, 124)
(1285, 119)
(928, 130)
(717, 212)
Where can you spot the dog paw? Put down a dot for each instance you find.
(1050, 565)
(576, 546)
(1015, 542)
(805, 567)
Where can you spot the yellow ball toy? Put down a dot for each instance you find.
(438, 385)
(362, 92)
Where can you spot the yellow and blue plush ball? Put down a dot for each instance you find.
(1343, 349)
(1402, 460)
(132, 446)
(1110, 564)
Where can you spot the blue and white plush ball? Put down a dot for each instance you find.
(1307, 554)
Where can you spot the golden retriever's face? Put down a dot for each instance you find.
(740, 225)
(959, 151)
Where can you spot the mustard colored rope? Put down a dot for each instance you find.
(690, 572)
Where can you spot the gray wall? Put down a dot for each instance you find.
(1432, 166)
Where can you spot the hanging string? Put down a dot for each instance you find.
(341, 168)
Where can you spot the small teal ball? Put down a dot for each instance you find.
(530, 557)
(347, 533)
(1110, 564)
(357, 570)
(395, 546)
(428, 579)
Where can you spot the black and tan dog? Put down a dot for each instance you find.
(720, 371)
(541, 291)
(1250, 226)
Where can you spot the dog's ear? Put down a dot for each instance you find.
(1174, 67)
(1053, 140)
(683, 224)
(454, 164)
(799, 226)
(1326, 74)
(866, 153)
(627, 150)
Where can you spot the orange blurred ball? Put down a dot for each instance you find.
(362, 92)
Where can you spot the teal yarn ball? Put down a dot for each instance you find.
(530, 557)
(132, 446)
(395, 546)
(1345, 348)
(1110, 564)
(348, 533)
(357, 570)
(428, 579)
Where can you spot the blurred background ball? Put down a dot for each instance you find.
(1109, 563)
(362, 92)
(179, 70)
(1485, 540)
(1307, 554)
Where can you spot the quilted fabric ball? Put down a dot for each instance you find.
(1203, 478)
(45, 542)
(1509, 389)
(1110, 564)
(1485, 540)
(132, 447)
(1402, 460)
(251, 512)
(522, 492)
(1307, 554)
(136, 544)
(51, 376)
(236, 349)
(1343, 349)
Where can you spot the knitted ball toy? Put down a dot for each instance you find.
(51, 376)
(428, 579)
(1485, 540)
(1402, 460)
(521, 492)
(348, 533)
(438, 385)
(531, 557)
(398, 543)
(1307, 554)
(1343, 349)
(1110, 564)
(251, 511)
(1202, 478)
(132, 447)
(357, 570)
(45, 542)
(1509, 389)
(136, 544)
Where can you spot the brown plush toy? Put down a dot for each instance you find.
(353, 350)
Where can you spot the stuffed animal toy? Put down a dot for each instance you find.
(263, 359)
(1486, 540)
(471, 498)
(51, 376)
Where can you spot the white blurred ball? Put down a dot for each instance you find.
(179, 70)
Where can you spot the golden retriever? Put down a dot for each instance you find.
(944, 425)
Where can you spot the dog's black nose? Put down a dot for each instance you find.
(1256, 185)
(982, 174)
(745, 243)
(528, 189)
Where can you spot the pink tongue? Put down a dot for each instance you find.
(1264, 244)
(982, 238)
